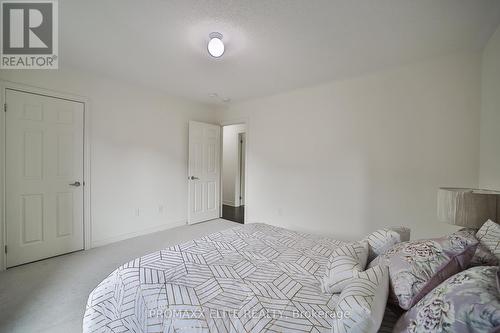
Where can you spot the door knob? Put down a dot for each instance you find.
(193, 178)
(75, 184)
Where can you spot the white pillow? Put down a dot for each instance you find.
(342, 263)
(362, 302)
(383, 239)
(489, 236)
(404, 233)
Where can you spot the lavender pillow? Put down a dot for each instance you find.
(483, 256)
(466, 302)
(417, 267)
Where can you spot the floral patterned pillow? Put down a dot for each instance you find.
(417, 267)
(483, 256)
(466, 302)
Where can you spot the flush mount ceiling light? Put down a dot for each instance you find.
(215, 45)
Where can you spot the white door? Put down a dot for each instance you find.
(204, 172)
(44, 176)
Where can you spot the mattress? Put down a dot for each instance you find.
(252, 278)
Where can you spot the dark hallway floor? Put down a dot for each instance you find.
(236, 214)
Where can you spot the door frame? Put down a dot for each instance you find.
(236, 121)
(242, 138)
(87, 216)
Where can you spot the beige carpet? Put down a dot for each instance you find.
(50, 295)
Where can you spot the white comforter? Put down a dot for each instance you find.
(253, 278)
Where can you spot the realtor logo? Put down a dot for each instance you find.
(29, 35)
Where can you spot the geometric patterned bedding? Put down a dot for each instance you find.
(251, 278)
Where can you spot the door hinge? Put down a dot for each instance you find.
(5, 248)
(5, 107)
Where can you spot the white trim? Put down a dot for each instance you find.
(87, 213)
(87, 174)
(237, 191)
(3, 261)
(236, 121)
(145, 231)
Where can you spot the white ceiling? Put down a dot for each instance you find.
(271, 46)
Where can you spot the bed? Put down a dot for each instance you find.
(252, 278)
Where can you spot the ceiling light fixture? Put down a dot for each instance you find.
(215, 45)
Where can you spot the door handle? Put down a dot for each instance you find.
(75, 184)
(193, 178)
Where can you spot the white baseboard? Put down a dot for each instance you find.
(117, 238)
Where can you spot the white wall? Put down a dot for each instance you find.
(490, 115)
(230, 164)
(342, 158)
(348, 157)
(139, 141)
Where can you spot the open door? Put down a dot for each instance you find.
(203, 172)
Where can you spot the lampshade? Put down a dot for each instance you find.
(467, 207)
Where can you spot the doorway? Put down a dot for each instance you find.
(233, 172)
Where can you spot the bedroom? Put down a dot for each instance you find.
(356, 113)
